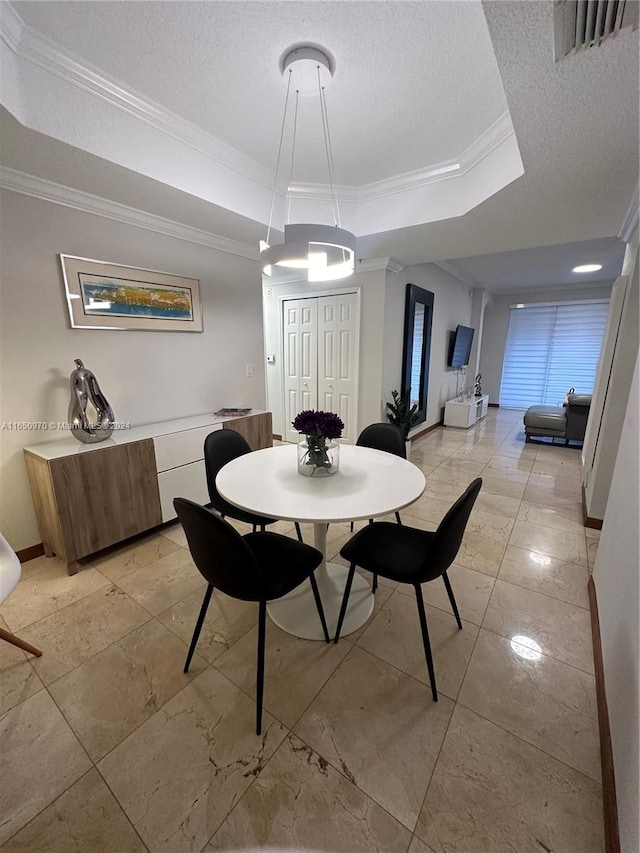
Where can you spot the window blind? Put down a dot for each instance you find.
(549, 349)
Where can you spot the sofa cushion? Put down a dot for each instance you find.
(545, 417)
(579, 399)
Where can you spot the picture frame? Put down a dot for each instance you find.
(104, 295)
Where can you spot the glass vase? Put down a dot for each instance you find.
(318, 456)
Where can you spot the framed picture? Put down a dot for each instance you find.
(101, 295)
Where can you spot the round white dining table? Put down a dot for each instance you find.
(370, 483)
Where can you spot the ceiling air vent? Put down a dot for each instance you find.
(579, 24)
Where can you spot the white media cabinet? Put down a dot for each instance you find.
(90, 496)
(465, 413)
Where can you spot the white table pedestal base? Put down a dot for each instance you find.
(296, 612)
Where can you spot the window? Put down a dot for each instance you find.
(549, 349)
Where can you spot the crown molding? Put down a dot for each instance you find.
(492, 138)
(34, 47)
(631, 217)
(497, 134)
(11, 26)
(373, 264)
(39, 50)
(456, 273)
(29, 185)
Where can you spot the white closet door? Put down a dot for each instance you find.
(337, 359)
(300, 360)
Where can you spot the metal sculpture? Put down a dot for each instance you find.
(86, 392)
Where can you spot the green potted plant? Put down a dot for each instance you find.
(401, 413)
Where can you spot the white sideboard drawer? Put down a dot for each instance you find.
(181, 448)
(188, 481)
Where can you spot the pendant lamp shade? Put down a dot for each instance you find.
(325, 251)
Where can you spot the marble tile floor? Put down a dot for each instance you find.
(107, 747)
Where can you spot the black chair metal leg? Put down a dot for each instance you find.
(425, 640)
(398, 519)
(196, 631)
(262, 618)
(345, 600)
(298, 532)
(452, 599)
(316, 595)
(375, 582)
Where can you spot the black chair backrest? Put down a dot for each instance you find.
(221, 447)
(448, 537)
(222, 556)
(387, 437)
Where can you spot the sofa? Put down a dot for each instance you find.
(568, 422)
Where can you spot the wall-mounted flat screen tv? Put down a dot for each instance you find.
(460, 346)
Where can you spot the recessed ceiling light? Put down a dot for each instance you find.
(588, 268)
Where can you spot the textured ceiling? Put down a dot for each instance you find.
(546, 268)
(404, 96)
(413, 82)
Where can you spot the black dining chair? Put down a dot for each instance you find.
(410, 555)
(257, 567)
(387, 437)
(221, 447)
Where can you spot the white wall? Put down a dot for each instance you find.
(496, 324)
(146, 376)
(615, 372)
(382, 298)
(451, 306)
(616, 580)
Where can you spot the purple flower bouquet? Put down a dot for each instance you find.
(318, 454)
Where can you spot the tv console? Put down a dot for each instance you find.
(90, 496)
(465, 413)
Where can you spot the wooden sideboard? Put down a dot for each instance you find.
(90, 496)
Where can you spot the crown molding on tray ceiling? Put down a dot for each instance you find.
(497, 134)
(374, 264)
(39, 188)
(26, 43)
(41, 81)
(456, 273)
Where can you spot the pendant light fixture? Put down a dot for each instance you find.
(326, 252)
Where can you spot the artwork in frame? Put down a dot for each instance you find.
(102, 295)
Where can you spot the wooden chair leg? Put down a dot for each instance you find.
(262, 619)
(196, 631)
(16, 641)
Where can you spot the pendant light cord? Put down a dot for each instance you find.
(328, 151)
(293, 153)
(275, 179)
